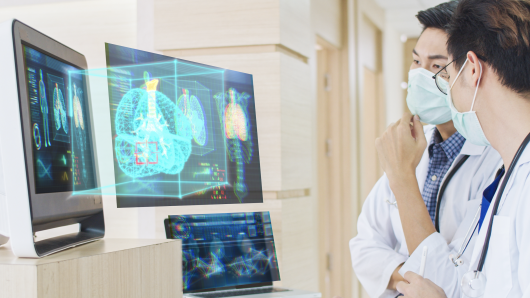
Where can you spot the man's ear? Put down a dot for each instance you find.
(475, 68)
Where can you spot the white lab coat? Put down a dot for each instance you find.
(507, 265)
(380, 245)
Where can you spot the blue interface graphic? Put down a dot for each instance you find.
(183, 133)
(61, 161)
(225, 250)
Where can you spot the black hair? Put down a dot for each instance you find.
(437, 17)
(498, 31)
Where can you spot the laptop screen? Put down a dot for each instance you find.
(225, 249)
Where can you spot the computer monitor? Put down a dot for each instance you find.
(46, 144)
(225, 250)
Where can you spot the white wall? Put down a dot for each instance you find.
(393, 73)
(85, 26)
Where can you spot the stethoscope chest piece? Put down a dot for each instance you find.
(474, 284)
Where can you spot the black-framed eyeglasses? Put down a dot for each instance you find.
(441, 78)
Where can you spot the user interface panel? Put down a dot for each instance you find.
(225, 250)
(183, 133)
(61, 132)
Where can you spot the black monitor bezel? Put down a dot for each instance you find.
(91, 217)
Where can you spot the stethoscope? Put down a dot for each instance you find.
(446, 181)
(473, 283)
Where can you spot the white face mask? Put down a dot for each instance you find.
(467, 123)
(425, 99)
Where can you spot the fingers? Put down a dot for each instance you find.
(412, 277)
(417, 128)
(403, 287)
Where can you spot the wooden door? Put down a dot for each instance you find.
(333, 171)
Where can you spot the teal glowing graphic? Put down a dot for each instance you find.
(43, 170)
(154, 136)
(59, 109)
(44, 110)
(36, 136)
(192, 109)
(218, 251)
(232, 107)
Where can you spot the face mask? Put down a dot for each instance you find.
(425, 99)
(467, 123)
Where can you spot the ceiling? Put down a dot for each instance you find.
(401, 14)
(7, 3)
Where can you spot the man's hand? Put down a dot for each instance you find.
(416, 286)
(401, 147)
(395, 278)
(400, 150)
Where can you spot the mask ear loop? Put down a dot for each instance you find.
(478, 84)
(456, 78)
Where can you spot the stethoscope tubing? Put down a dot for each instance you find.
(498, 200)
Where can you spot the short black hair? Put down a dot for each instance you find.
(437, 17)
(498, 31)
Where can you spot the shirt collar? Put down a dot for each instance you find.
(452, 146)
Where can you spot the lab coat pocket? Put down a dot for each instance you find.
(498, 261)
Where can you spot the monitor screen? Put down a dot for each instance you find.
(183, 133)
(61, 132)
(225, 250)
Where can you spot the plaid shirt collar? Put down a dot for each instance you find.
(451, 147)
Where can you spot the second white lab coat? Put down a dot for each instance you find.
(507, 265)
(380, 245)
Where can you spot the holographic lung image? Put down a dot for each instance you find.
(154, 136)
(192, 109)
(218, 251)
(44, 110)
(79, 134)
(60, 108)
(232, 107)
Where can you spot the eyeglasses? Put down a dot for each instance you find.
(442, 77)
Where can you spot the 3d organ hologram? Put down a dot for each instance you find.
(233, 112)
(153, 135)
(192, 109)
(59, 109)
(44, 111)
(79, 131)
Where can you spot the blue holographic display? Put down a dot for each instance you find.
(183, 133)
(225, 250)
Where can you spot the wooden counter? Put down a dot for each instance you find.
(112, 268)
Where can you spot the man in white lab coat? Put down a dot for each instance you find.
(488, 92)
(451, 176)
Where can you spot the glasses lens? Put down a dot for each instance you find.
(442, 81)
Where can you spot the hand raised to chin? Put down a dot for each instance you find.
(401, 147)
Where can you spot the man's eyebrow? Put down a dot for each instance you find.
(433, 57)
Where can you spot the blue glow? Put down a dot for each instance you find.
(218, 251)
(153, 134)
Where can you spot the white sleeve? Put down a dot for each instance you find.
(373, 252)
(439, 268)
